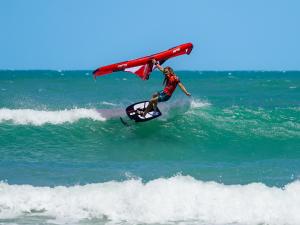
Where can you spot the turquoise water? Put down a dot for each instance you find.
(230, 154)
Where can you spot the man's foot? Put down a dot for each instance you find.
(140, 112)
(143, 114)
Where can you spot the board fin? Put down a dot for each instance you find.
(123, 121)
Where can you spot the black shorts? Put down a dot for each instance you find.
(162, 96)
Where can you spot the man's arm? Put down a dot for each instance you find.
(157, 65)
(183, 89)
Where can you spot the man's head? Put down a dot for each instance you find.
(168, 71)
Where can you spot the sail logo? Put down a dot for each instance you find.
(176, 50)
(122, 65)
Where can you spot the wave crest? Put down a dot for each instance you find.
(38, 117)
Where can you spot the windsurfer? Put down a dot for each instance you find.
(170, 82)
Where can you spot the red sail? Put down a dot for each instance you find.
(142, 67)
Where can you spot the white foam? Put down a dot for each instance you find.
(37, 117)
(181, 199)
(195, 103)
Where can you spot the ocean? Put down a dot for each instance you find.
(229, 154)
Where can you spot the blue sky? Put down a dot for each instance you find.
(85, 34)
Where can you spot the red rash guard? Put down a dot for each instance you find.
(171, 84)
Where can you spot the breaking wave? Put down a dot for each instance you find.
(165, 200)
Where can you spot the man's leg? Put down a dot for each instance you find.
(152, 104)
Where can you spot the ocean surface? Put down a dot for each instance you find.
(229, 154)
